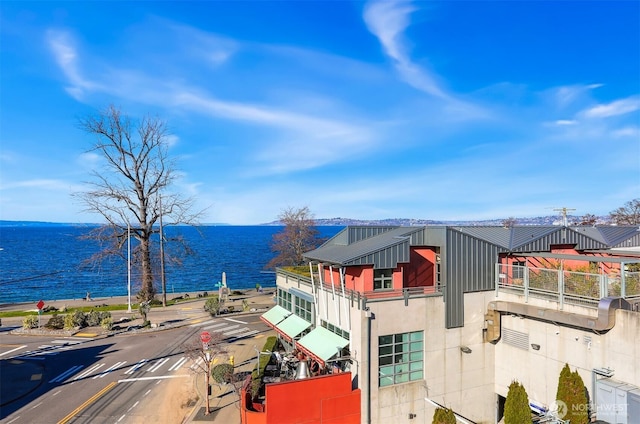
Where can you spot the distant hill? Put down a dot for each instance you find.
(539, 220)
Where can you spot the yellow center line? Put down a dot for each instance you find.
(87, 403)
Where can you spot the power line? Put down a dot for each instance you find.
(35, 277)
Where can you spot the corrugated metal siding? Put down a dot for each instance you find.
(357, 234)
(469, 268)
(561, 236)
(385, 258)
(630, 242)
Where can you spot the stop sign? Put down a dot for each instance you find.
(40, 304)
(205, 337)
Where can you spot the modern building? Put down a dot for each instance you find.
(421, 317)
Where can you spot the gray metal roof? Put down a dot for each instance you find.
(384, 247)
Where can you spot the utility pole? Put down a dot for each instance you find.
(162, 277)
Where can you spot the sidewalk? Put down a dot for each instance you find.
(223, 400)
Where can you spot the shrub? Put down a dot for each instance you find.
(572, 391)
(444, 416)
(93, 318)
(79, 319)
(245, 305)
(56, 322)
(516, 407)
(213, 306)
(222, 373)
(256, 375)
(107, 323)
(49, 308)
(68, 322)
(29, 322)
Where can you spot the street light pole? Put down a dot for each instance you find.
(128, 267)
(162, 277)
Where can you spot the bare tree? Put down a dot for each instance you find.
(299, 235)
(629, 214)
(130, 191)
(203, 355)
(509, 222)
(588, 219)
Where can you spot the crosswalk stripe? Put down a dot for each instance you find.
(66, 374)
(178, 364)
(220, 324)
(137, 366)
(108, 370)
(89, 371)
(201, 323)
(227, 333)
(157, 365)
(247, 334)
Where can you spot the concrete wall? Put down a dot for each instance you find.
(461, 381)
(583, 350)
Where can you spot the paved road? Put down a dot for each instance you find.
(104, 380)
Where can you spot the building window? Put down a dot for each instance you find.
(382, 279)
(284, 299)
(303, 308)
(518, 269)
(400, 358)
(336, 330)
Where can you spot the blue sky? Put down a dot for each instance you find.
(369, 110)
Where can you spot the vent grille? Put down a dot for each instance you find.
(515, 338)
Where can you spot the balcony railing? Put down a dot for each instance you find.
(366, 296)
(579, 288)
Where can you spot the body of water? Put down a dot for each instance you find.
(46, 262)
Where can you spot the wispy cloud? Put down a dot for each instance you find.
(388, 20)
(65, 54)
(615, 108)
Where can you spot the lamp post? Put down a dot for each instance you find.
(162, 275)
(128, 267)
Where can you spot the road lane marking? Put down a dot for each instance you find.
(137, 366)
(13, 350)
(121, 418)
(160, 377)
(89, 371)
(157, 365)
(88, 402)
(236, 320)
(216, 325)
(247, 334)
(66, 374)
(108, 370)
(228, 333)
(178, 364)
(134, 405)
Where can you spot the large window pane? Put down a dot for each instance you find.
(401, 358)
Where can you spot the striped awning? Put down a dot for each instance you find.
(322, 343)
(275, 315)
(292, 326)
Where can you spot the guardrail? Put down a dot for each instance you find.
(574, 287)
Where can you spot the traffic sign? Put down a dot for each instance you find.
(40, 304)
(205, 337)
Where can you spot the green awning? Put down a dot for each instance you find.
(293, 325)
(323, 343)
(275, 315)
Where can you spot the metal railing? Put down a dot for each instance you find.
(356, 296)
(579, 288)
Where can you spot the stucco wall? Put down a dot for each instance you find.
(617, 349)
(461, 381)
